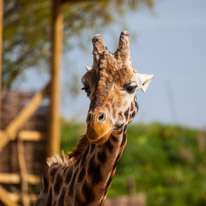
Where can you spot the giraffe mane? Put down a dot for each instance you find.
(72, 157)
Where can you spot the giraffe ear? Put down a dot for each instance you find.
(88, 68)
(143, 81)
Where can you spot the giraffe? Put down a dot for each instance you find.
(83, 177)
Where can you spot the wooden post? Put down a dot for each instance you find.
(1, 40)
(57, 35)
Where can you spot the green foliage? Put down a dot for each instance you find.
(168, 163)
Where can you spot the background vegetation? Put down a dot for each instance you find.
(168, 163)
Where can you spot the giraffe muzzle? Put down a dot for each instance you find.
(99, 128)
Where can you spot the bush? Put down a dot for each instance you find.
(165, 161)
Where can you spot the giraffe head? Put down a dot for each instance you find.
(111, 86)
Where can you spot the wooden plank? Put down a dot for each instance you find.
(4, 139)
(23, 173)
(57, 35)
(14, 178)
(17, 197)
(26, 135)
(4, 198)
(18, 122)
(26, 113)
(31, 135)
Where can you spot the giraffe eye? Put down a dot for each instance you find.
(87, 90)
(131, 89)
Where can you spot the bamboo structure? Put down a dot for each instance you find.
(57, 34)
(16, 124)
(4, 197)
(23, 173)
(22, 142)
(8, 178)
(15, 137)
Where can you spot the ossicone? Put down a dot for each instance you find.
(123, 50)
(98, 47)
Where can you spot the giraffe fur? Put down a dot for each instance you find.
(84, 176)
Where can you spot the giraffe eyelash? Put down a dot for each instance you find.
(87, 90)
(130, 89)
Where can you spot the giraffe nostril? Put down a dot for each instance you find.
(101, 117)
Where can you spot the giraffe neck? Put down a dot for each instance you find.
(94, 171)
(99, 163)
(87, 181)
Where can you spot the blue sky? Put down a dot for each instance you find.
(170, 42)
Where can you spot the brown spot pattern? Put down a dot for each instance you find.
(109, 146)
(49, 198)
(58, 184)
(53, 172)
(126, 114)
(88, 193)
(45, 184)
(102, 157)
(124, 139)
(84, 157)
(94, 171)
(68, 175)
(70, 192)
(61, 197)
(81, 174)
(78, 201)
(113, 138)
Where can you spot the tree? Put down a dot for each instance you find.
(27, 28)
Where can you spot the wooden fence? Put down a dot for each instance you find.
(23, 132)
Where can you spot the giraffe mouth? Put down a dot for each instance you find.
(100, 139)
